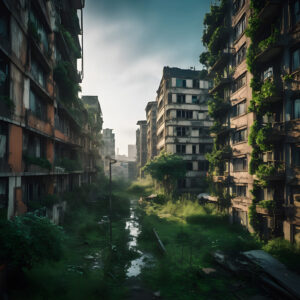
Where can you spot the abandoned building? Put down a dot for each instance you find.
(109, 147)
(141, 146)
(255, 65)
(151, 109)
(47, 146)
(183, 122)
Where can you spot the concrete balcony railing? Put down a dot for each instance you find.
(33, 121)
(222, 60)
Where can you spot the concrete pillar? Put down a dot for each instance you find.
(15, 196)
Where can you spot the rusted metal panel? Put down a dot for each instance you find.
(15, 148)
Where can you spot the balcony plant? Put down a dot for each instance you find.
(270, 41)
(38, 161)
(9, 103)
(33, 31)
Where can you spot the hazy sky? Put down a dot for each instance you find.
(126, 45)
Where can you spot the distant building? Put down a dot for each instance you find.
(183, 122)
(108, 147)
(132, 152)
(151, 109)
(132, 170)
(141, 146)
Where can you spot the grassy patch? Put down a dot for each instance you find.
(142, 187)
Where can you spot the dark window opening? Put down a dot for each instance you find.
(239, 190)
(240, 164)
(180, 149)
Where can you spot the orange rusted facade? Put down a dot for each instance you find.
(46, 145)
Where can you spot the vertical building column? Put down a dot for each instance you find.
(15, 204)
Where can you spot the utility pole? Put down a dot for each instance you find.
(111, 162)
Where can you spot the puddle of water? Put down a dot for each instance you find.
(137, 264)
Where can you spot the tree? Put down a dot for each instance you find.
(167, 169)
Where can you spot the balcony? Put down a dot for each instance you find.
(220, 83)
(270, 8)
(222, 60)
(267, 208)
(271, 171)
(33, 121)
(269, 48)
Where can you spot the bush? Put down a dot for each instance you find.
(29, 239)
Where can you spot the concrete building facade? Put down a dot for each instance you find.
(183, 122)
(132, 152)
(141, 146)
(151, 110)
(109, 147)
(261, 123)
(46, 144)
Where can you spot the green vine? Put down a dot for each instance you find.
(38, 161)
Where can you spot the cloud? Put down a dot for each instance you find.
(126, 45)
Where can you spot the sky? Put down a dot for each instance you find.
(126, 45)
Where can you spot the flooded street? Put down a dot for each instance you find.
(132, 225)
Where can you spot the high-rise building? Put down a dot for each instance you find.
(256, 110)
(183, 122)
(151, 109)
(46, 142)
(108, 147)
(141, 146)
(132, 152)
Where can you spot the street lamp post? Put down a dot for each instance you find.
(111, 162)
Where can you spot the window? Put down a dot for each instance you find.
(204, 84)
(37, 106)
(181, 131)
(189, 165)
(203, 165)
(180, 149)
(4, 78)
(38, 73)
(4, 24)
(205, 148)
(194, 149)
(295, 59)
(180, 98)
(239, 190)
(240, 55)
(239, 82)
(180, 82)
(240, 164)
(226, 93)
(3, 141)
(195, 99)
(237, 5)
(238, 109)
(34, 145)
(296, 12)
(196, 84)
(40, 28)
(295, 156)
(240, 27)
(296, 109)
(169, 98)
(184, 114)
(268, 73)
(239, 136)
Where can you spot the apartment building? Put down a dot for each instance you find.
(141, 146)
(183, 122)
(256, 112)
(132, 152)
(109, 147)
(45, 144)
(151, 109)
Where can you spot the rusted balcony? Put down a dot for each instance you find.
(33, 121)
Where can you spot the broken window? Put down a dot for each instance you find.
(4, 76)
(184, 114)
(180, 98)
(37, 106)
(180, 149)
(38, 73)
(4, 24)
(194, 149)
(189, 165)
(195, 99)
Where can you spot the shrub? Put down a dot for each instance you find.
(29, 239)
(38, 161)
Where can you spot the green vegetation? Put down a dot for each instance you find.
(270, 41)
(70, 42)
(38, 161)
(86, 268)
(70, 164)
(142, 187)
(28, 240)
(190, 233)
(9, 103)
(167, 169)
